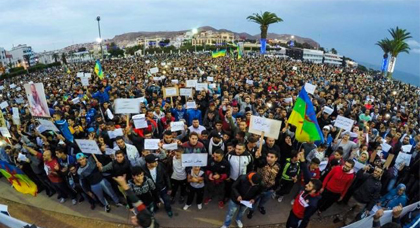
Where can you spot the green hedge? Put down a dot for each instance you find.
(20, 70)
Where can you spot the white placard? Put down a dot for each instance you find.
(1, 87)
(344, 123)
(88, 146)
(80, 74)
(177, 126)
(140, 121)
(12, 86)
(328, 110)
(48, 125)
(85, 81)
(191, 83)
(18, 89)
(270, 127)
(5, 132)
(189, 160)
(110, 151)
(403, 158)
(175, 81)
(246, 203)
(386, 147)
(171, 91)
(185, 92)
(88, 75)
(163, 64)
(127, 106)
(4, 105)
(191, 104)
(154, 70)
(294, 68)
(151, 144)
(156, 78)
(250, 82)
(15, 113)
(212, 86)
(76, 100)
(115, 133)
(210, 79)
(323, 165)
(405, 148)
(288, 100)
(172, 146)
(310, 88)
(201, 86)
(147, 61)
(358, 166)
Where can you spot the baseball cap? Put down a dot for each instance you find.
(327, 127)
(151, 158)
(80, 155)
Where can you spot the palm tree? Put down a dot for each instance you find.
(398, 45)
(55, 56)
(264, 20)
(385, 44)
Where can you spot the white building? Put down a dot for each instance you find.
(314, 56)
(47, 57)
(18, 55)
(3, 60)
(331, 58)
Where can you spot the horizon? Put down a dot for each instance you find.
(351, 27)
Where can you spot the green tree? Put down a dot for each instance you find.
(264, 20)
(64, 58)
(55, 56)
(398, 45)
(333, 51)
(385, 45)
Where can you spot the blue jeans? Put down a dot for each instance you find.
(262, 199)
(100, 188)
(232, 208)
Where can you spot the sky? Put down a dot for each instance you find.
(351, 27)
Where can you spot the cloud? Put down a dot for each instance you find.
(414, 45)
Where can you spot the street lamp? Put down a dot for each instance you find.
(195, 31)
(99, 40)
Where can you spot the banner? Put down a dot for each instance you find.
(384, 62)
(18, 179)
(37, 101)
(263, 45)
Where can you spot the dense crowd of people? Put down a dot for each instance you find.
(244, 171)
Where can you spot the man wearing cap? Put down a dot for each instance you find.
(157, 172)
(245, 190)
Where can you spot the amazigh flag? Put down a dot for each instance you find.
(18, 179)
(238, 49)
(217, 54)
(98, 70)
(66, 69)
(303, 117)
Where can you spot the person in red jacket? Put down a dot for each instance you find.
(336, 184)
(306, 201)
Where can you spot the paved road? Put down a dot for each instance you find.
(209, 216)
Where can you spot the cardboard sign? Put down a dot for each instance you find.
(170, 92)
(210, 79)
(191, 83)
(4, 105)
(310, 88)
(88, 146)
(344, 123)
(201, 86)
(127, 106)
(328, 110)
(151, 144)
(189, 160)
(271, 128)
(140, 121)
(185, 92)
(154, 70)
(48, 125)
(191, 104)
(177, 126)
(5, 132)
(172, 146)
(115, 133)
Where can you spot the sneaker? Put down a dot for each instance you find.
(200, 206)
(280, 199)
(186, 207)
(119, 205)
(181, 200)
(292, 202)
(170, 214)
(239, 223)
(207, 201)
(74, 201)
(262, 210)
(221, 204)
(107, 208)
(249, 215)
(62, 200)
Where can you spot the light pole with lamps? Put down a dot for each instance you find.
(99, 40)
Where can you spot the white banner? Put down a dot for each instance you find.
(199, 159)
(88, 146)
(127, 106)
(271, 128)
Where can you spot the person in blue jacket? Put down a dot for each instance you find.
(394, 197)
(102, 95)
(192, 114)
(179, 112)
(63, 126)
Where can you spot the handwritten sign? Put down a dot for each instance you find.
(85, 81)
(48, 125)
(4, 105)
(76, 100)
(288, 100)
(80, 74)
(109, 151)
(88, 146)
(175, 81)
(88, 75)
(189, 160)
(191, 83)
(212, 86)
(386, 147)
(271, 128)
(294, 68)
(154, 70)
(177, 126)
(12, 86)
(185, 92)
(18, 89)
(328, 110)
(403, 158)
(171, 146)
(5, 132)
(151, 144)
(344, 123)
(191, 104)
(201, 86)
(115, 133)
(405, 148)
(310, 88)
(170, 92)
(127, 106)
(210, 79)
(249, 82)
(140, 121)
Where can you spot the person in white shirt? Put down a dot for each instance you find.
(196, 127)
(178, 177)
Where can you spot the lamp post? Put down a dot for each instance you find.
(195, 31)
(98, 18)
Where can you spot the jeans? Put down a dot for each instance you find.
(100, 188)
(232, 208)
(163, 194)
(262, 200)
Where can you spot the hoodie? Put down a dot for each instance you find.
(338, 181)
(213, 146)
